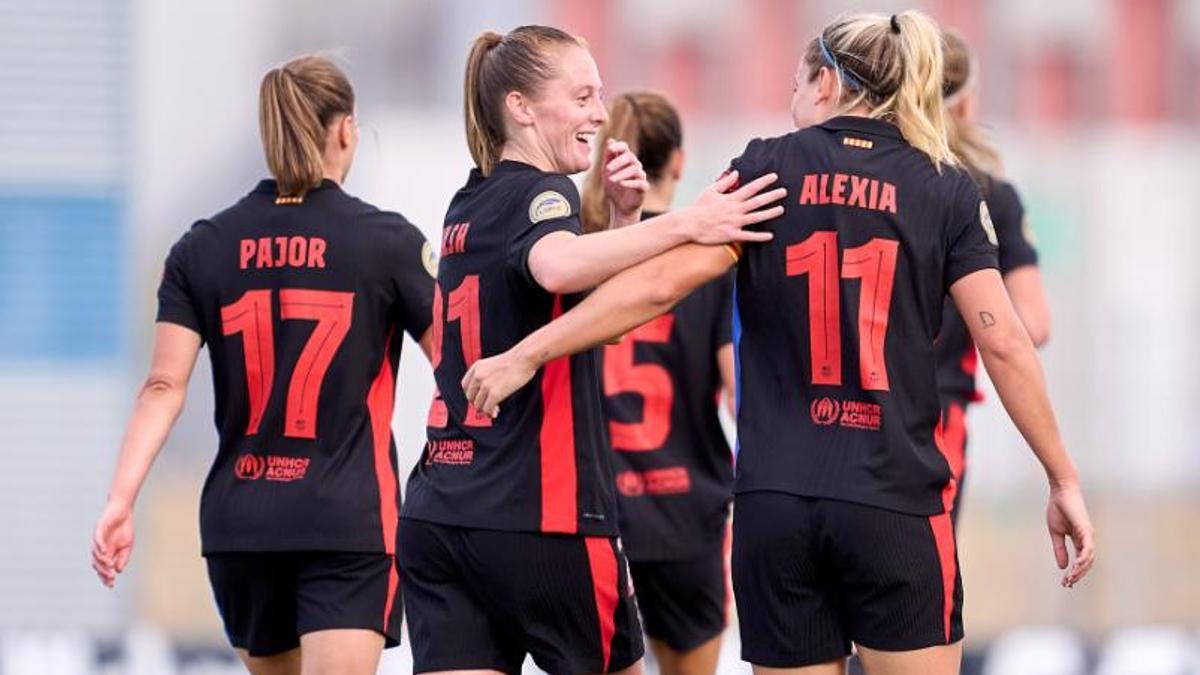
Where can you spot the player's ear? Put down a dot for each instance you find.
(345, 131)
(827, 86)
(518, 108)
(675, 164)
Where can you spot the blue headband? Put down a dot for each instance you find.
(854, 83)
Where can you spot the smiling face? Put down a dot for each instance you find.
(568, 111)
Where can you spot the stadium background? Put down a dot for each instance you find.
(121, 121)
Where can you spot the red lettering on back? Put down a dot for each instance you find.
(808, 193)
(824, 188)
(264, 253)
(874, 194)
(247, 252)
(839, 187)
(316, 252)
(887, 200)
(858, 191)
(281, 246)
(297, 247)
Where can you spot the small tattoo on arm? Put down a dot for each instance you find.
(987, 319)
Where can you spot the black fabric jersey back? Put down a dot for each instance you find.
(303, 308)
(956, 355)
(835, 318)
(542, 465)
(674, 468)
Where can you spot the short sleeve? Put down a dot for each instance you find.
(177, 302)
(552, 205)
(412, 265)
(971, 238)
(723, 289)
(1012, 229)
(751, 163)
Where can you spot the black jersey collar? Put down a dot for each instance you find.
(271, 187)
(514, 165)
(862, 125)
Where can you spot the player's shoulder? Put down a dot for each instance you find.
(767, 150)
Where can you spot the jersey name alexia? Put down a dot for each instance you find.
(848, 190)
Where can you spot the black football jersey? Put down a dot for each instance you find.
(956, 355)
(674, 468)
(835, 318)
(542, 465)
(303, 307)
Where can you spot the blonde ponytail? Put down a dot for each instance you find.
(483, 140)
(919, 112)
(967, 139)
(297, 102)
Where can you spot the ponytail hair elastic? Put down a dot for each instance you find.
(895, 25)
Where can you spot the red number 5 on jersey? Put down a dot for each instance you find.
(650, 380)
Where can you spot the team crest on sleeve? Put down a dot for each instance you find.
(547, 205)
(985, 219)
(429, 260)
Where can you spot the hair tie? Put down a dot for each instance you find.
(852, 81)
(895, 25)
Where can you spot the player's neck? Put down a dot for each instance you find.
(659, 196)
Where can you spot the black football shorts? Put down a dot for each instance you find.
(812, 576)
(683, 602)
(483, 599)
(268, 600)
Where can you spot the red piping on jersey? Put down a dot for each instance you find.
(950, 438)
(557, 444)
(603, 564)
(380, 403)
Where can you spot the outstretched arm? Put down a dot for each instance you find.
(1013, 365)
(158, 406)
(562, 262)
(626, 301)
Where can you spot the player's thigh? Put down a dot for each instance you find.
(286, 663)
(341, 651)
(939, 660)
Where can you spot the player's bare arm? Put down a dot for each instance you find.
(563, 262)
(1013, 365)
(624, 302)
(158, 405)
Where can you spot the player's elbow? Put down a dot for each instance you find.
(1038, 327)
(162, 386)
(664, 288)
(559, 277)
(1005, 346)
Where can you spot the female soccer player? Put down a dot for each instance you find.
(956, 355)
(508, 545)
(842, 531)
(302, 294)
(674, 470)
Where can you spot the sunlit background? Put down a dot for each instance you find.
(122, 121)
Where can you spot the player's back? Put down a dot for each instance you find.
(540, 466)
(302, 302)
(837, 315)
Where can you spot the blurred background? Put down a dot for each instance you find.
(122, 121)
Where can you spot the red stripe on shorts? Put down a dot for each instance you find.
(603, 563)
(950, 438)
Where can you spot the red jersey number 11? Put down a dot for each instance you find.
(874, 264)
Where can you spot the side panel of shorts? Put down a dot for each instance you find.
(683, 602)
(813, 575)
(565, 600)
(268, 600)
